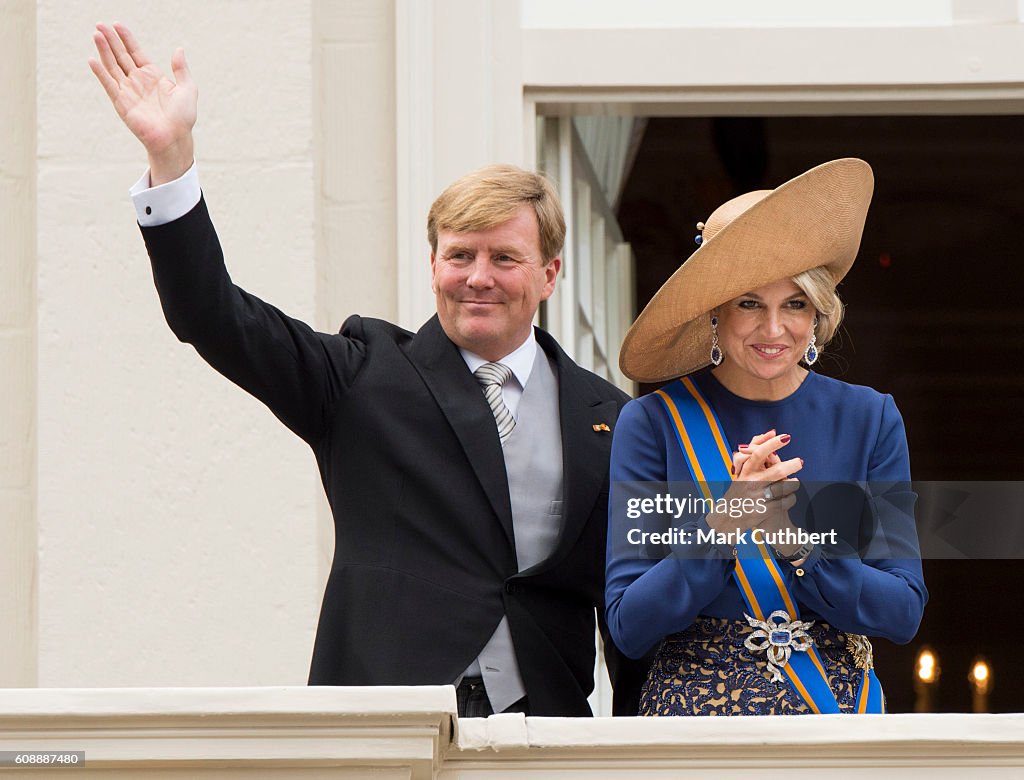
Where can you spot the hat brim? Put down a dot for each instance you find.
(813, 220)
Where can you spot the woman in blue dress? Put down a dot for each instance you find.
(764, 604)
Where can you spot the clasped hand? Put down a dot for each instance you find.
(765, 480)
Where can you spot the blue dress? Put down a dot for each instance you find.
(844, 433)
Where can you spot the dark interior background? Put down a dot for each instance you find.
(935, 306)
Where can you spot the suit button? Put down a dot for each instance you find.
(510, 587)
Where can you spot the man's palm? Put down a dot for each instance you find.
(160, 112)
(154, 108)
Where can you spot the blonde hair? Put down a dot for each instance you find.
(489, 196)
(820, 288)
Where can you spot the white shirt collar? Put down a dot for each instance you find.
(519, 360)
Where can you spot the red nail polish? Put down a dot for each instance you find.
(785, 438)
(732, 468)
(744, 446)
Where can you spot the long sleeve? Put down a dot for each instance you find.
(648, 599)
(298, 373)
(883, 594)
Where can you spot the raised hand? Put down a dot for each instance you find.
(766, 473)
(158, 111)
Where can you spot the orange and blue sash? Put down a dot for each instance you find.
(757, 573)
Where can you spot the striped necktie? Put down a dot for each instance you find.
(491, 377)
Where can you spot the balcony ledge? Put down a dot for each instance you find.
(414, 733)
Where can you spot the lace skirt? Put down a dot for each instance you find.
(706, 670)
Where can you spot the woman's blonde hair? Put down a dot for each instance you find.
(492, 195)
(820, 288)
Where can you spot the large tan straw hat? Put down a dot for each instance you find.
(750, 241)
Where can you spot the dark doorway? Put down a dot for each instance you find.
(934, 317)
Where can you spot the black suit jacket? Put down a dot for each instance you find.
(408, 452)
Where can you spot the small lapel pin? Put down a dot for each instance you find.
(602, 427)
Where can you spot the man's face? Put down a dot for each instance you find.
(489, 284)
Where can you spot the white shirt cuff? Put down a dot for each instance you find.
(168, 202)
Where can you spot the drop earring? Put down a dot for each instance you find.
(811, 353)
(716, 351)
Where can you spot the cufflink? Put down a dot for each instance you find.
(602, 427)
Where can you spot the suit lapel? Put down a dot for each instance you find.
(585, 451)
(458, 395)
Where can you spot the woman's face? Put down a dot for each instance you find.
(764, 332)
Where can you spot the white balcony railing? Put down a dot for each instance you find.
(198, 733)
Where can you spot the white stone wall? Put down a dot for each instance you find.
(177, 517)
(354, 110)
(17, 344)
